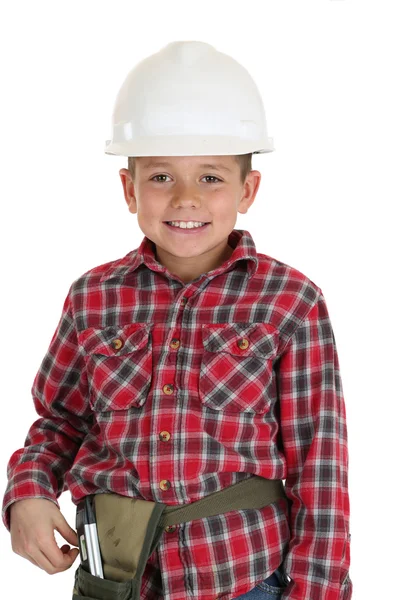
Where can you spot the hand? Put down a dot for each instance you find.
(32, 525)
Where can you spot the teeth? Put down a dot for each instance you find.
(188, 225)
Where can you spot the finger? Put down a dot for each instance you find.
(48, 566)
(64, 529)
(53, 558)
(73, 553)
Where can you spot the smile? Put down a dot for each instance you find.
(187, 231)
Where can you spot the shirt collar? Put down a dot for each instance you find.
(239, 239)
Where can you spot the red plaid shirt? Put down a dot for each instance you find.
(148, 390)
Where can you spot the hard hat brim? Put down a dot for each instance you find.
(188, 146)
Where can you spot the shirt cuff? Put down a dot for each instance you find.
(12, 497)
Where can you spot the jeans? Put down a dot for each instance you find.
(270, 588)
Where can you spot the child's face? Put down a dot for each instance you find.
(186, 189)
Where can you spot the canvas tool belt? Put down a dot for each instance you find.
(129, 530)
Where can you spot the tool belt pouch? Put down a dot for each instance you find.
(128, 530)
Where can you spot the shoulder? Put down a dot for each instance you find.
(289, 293)
(288, 279)
(94, 276)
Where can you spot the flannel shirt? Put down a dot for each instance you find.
(169, 391)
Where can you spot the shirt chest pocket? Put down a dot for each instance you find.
(119, 365)
(237, 366)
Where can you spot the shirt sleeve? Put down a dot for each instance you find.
(314, 437)
(59, 394)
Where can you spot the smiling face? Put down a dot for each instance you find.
(189, 188)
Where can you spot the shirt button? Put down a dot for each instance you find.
(164, 436)
(168, 388)
(117, 344)
(243, 343)
(174, 343)
(170, 528)
(165, 484)
(183, 300)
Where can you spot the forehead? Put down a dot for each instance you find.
(217, 163)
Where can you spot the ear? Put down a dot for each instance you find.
(250, 189)
(129, 189)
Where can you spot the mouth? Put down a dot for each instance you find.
(187, 231)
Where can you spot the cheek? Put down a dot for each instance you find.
(222, 203)
(150, 205)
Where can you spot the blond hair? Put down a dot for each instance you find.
(244, 161)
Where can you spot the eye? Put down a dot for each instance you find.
(212, 177)
(162, 175)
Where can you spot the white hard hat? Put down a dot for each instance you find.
(188, 99)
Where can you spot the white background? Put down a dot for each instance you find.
(328, 72)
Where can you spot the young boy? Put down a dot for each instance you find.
(191, 364)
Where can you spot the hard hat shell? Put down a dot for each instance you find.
(188, 99)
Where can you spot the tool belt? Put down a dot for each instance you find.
(129, 530)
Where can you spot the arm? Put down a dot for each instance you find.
(314, 437)
(59, 394)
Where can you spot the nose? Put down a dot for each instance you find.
(186, 193)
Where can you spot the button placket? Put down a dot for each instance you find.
(165, 436)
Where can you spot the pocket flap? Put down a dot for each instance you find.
(114, 340)
(241, 339)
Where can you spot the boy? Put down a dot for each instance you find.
(190, 365)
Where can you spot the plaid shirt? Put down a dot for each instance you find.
(169, 391)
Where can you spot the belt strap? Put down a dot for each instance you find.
(254, 492)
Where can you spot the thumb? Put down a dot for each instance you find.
(66, 531)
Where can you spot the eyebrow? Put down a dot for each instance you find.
(216, 167)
